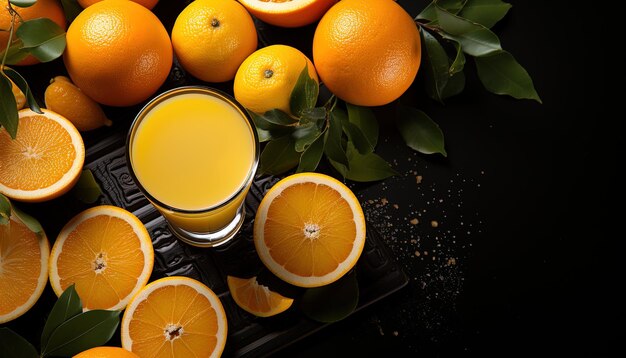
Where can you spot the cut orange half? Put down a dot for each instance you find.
(107, 253)
(23, 268)
(44, 160)
(255, 298)
(175, 317)
(288, 13)
(309, 229)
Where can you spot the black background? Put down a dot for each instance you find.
(538, 272)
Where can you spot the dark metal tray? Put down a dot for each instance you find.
(378, 274)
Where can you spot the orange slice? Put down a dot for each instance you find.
(106, 352)
(288, 13)
(309, 229)
(45, 159)
(257, 299)
(23, 268)
(175, 317)
(107, 252)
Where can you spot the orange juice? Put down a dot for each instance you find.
(194, 152)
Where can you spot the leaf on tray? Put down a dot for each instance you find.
(12, 345)
(66, 307)
(419, 131)
(87, 189)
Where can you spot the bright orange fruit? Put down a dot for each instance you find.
(107, 253)
(118, 52)
(288, 13)
(309, 229)
(44, 161)
(367, 52)
(149, 4)
(175, 317)
(255, 298)
(106, 352)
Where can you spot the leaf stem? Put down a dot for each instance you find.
(10, 40)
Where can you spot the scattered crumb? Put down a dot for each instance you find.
(434, 223)
(418, 179)
(425, 253)
(395, 333)
(371, 201)
(413, 241)
(384, 201)
(451, 261)
(395, 206)
(417, 253)
(414, 221)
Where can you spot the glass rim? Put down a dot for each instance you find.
(202, 90)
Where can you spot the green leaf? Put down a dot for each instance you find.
(15, 53)
(5, 210)
(502, 74)
(81, 332)
(67, 306)
(23, 86)
(12, 345)
(455, 85)
(459, 60)
(279, 156)
(363, 168)
(278, 117)
(354, 133)
(333, 302)
(452, 6)
(305, 135)
(316, 115)
(419, 131)
(304, 93)
(31, 223)
(475, 39)
(8, 106)
(87, 189)
(333, 148)
(311, 157)
(364, 118)
(264, 135)
(23, 3)
(485, 12)
(43, 38)
(71, 8)
(435, 65)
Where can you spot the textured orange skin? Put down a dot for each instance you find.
(118, 52)
(149, 4)
(106, 352)
(302, 16)
(43, 8)
(367, 52)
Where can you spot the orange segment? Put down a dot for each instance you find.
(175, 317)
(107, 253)
(23, 268)
(309, 230)
(44, 160)
(255, 298)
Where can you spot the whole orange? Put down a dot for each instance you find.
(149, 4)
(211, 38)
(106, 352)
(43, 8)
(367, 52)
(118, 52)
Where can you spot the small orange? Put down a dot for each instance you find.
(44, 161)
(23, 268)
(107, 253)
(106, 352)
(309, 229)
(149, 4)
(266, 78)
(118, 52)
(288, 13)
(367, 52)
(255, 298)
(50, 9)
(211, 38)
(175, 317)
(63, 97)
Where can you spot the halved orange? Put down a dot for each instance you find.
(288, 13)
(23, 268)
(175, 317)
(255, 298)
(44, 160)
(107, 253)
(309, 229)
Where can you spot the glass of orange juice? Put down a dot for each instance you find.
(193, 152)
